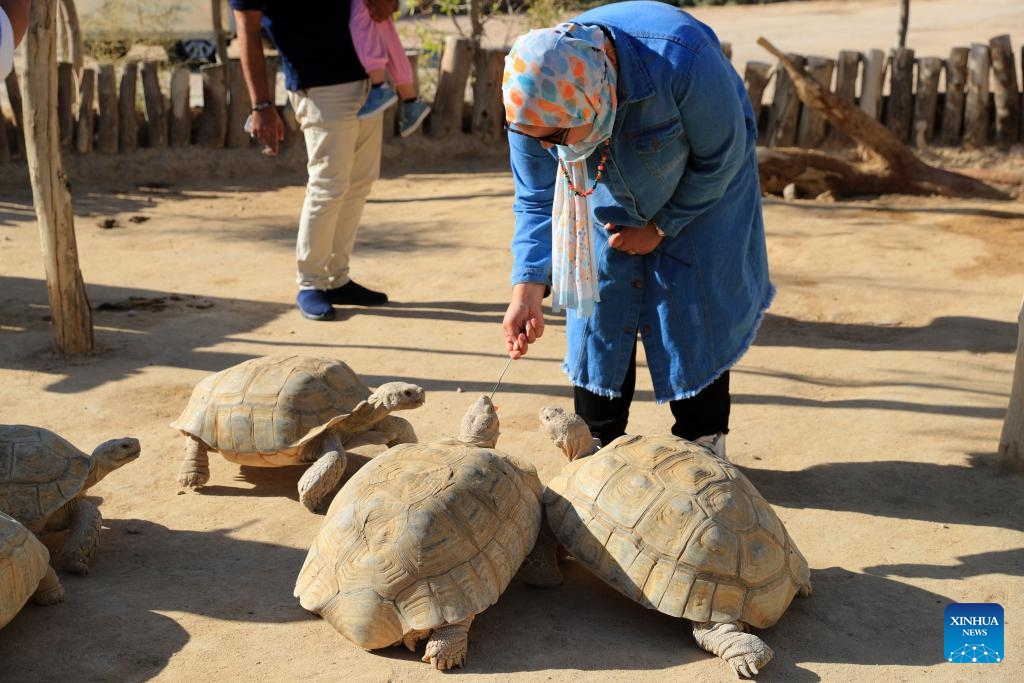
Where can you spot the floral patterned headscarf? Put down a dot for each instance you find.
(562, 77)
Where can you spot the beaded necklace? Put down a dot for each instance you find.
(597, 178)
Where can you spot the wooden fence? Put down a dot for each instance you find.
(105, 111)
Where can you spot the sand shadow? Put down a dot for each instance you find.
(1009, 562)
(953, 494)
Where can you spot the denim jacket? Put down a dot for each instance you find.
(683, 155)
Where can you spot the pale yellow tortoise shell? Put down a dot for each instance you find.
(24, 561)
(265, 410)
(40, 471)
(422, 536)
(677, 530)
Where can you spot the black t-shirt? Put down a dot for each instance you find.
(313, 39)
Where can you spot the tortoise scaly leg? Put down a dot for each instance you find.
(447, 646)
(324, 474)
(745, 652)
(195, 466)
(85, 521)
(49, 591)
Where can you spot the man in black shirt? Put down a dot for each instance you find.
(326, 86)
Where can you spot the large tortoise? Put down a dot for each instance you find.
(25, 571)
(285, 410)
(42, 481)
(423, 538)
(677, 529)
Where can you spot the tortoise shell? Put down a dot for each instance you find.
(39, 472)
(677, 530)
(271, 404)
(423, 535)
(23, 563)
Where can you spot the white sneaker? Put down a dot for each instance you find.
(714, 443)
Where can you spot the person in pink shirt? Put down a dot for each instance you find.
(381, 54)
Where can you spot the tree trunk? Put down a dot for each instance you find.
(70, 312)
(899, 170)
(1011, 443)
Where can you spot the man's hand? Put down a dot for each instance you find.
(633, 241)
(381, 10)
(524, 321)
(268, 130)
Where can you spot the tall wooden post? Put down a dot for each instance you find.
(69, 306)
(1011, 443)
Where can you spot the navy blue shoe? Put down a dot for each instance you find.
(314, 304)
(354, 294)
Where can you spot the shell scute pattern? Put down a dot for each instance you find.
(678, 530)
(39, 472)
(23, 563)
(436, 529)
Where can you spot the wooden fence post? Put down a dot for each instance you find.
(181, 110)
(488, 109)
(213, 126)
(785, 111)
(1007, 95)
(128, 123)
(846, 87)
(976, 102)
(65, 104)
(108, 132)
(925, 103)
(871, 83)
(900, 112)
(86, 117)
(755, 79)
(1011, 441)
(449, 101)
(70, 311)
(812, 128)
(14, 95)
(239, 106)
(156, 114)
(953, 107)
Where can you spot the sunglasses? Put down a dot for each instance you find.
(557, 138)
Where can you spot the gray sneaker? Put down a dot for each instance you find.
(714, 443)
(411, 116)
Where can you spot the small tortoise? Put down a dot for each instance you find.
(677, 529)
(285, 410)
(423, 538)
(25, 571)
(42, 482)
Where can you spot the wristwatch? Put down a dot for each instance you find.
(260, 106)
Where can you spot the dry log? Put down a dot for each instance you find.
(450, 97)
(953, 110)
(1011, 441)
(107, 132)
(1007, 95)
(926, 103)
(488, 109)
(86, 114)
(900, 111)
(74, 29)
(976, 102)
(70, 312)
(885, 156)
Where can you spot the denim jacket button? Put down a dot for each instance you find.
(628, 330)
(645, 330)
(638, 284)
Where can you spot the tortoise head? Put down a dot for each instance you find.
(480, 424)
(568, 431)
(398, 396)
(109, 456)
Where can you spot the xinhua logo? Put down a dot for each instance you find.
(974, 633)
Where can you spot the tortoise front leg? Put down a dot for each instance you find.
(49, 591)
(745, 652)
(195, 466)
(83, 537)
(448, 645)
(324, 474)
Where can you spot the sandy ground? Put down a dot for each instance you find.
(868, 412)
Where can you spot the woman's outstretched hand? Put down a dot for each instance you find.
(524, 321)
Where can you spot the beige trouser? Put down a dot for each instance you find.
(344, 160)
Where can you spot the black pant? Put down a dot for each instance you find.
(701, 415)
